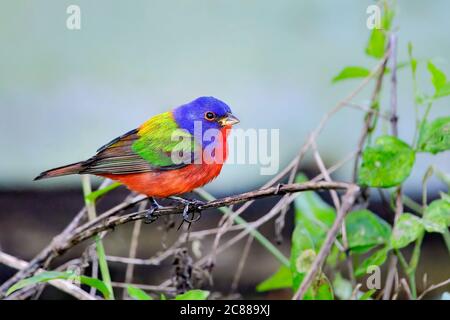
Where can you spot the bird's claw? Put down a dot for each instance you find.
(190, 207)
(197, 204)
(149, 217)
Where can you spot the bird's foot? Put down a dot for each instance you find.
(191, 207)
(149, 217)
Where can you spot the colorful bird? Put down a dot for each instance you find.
(170, 154)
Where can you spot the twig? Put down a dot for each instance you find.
(281, 220)
(394, 117)
(49, 252)
(94, 266)
(394, 128)
(100, 249)
(234, 216)
(252, 227)
(256, 224)
(434, 287)
(370, 115)
(337, 205)
(144, 287)
(326, 175)
(133, 248)
(407, 289)
(293, 167)
(368, 110)
(284, 202)
(63, 285)
(355, 291)
(240, 268)
(347, 203)
(155, 261)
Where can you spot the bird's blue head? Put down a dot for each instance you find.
(210, 112)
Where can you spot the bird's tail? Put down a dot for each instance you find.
(61, 171)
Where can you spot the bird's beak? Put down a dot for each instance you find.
(228, 120)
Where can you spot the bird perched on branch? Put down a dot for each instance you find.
(170, 154)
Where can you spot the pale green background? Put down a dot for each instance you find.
(64, 93)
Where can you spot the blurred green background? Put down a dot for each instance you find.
(64, 93)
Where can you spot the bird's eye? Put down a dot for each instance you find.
(210, 115)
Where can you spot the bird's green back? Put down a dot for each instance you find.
(159, 137)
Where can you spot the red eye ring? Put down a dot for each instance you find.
(210, 116)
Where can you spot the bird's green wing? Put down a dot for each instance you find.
(157, 145)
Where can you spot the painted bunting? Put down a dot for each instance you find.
(166, 156)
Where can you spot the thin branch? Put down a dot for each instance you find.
(100, 249)
(434, 287)
(41, 258)
(133, 248)
(63, 285)
(347, 203)
(370, 115)
(406, 288)
(240, 268)
(394, 117)
(394, 128)
(157, 289)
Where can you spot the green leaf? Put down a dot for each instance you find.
(97, 284)
(305, 260)
(412, 60)
(66, 275)
(400, 66)
(436, 217)
(378, 39)
(138, 294)
(342, 287)
(443, 91)
(335, 257)
(377, 44)
(376, 259)
(301, 243)
(313, 214)
(93, 196)
(193, 295)
(387, 18)
(422, 98)
(351, 73)
(366, 230)
(388, 163)
(438, 77)
(407, 229)
(310, 206)
(39, 278)
(279, 280)
(322, 289)
(302, 253)
(435, 136)
(367, 295)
